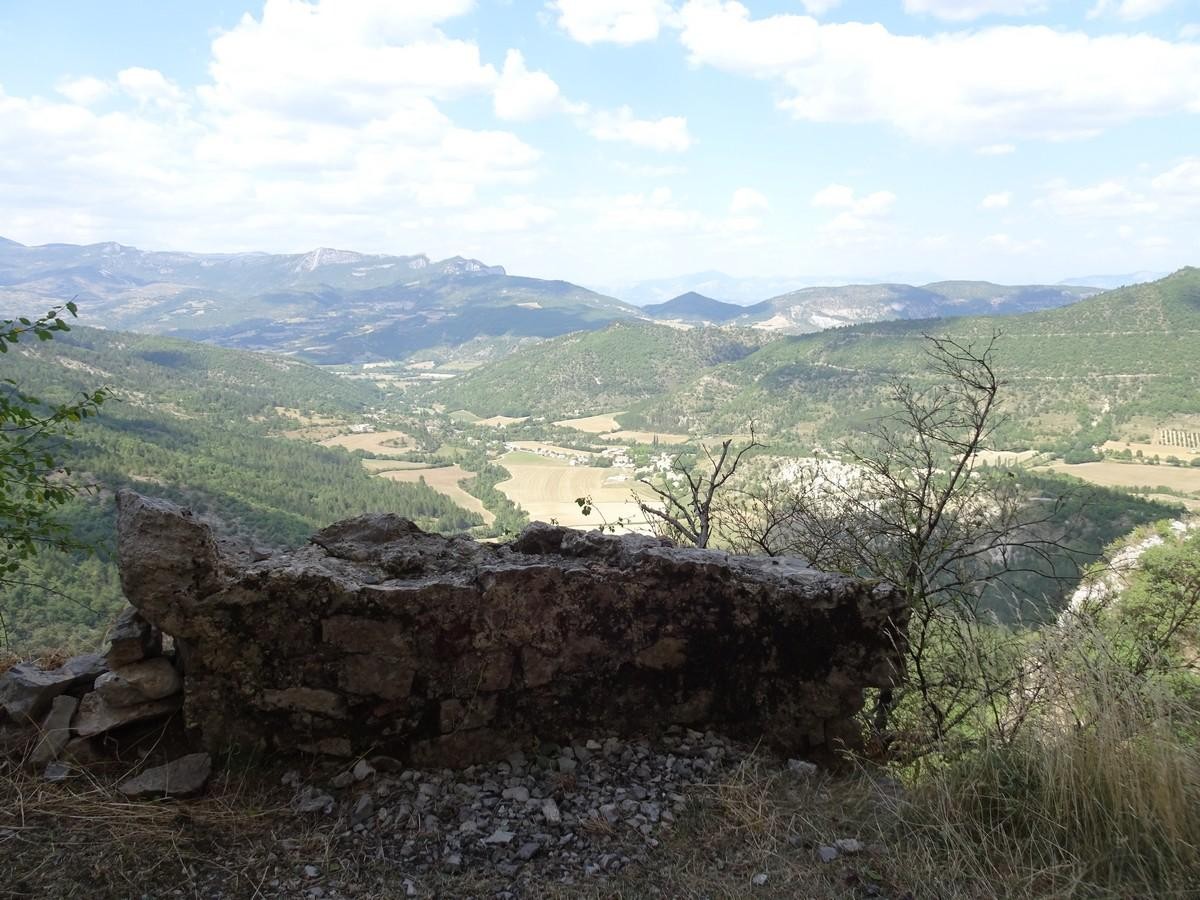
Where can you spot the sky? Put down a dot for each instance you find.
(606, 141)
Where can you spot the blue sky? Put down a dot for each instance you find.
(606, 141)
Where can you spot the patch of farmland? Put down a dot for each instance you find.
(381, 442)
(444, 479)
(1133, 475)
(600, 424)
(548, 492)
(1163, 450)
(539, 447)
(647, 437)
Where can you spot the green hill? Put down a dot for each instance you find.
(1074, 373)
(195, 424)
(597, 371)
(1095, 364)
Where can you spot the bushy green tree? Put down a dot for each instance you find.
(33, 485)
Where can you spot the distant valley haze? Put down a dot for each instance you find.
(341, 306)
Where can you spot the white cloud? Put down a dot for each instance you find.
(999, 200)
(839, 196)
(614, 21)
(860, 219)
(648, 171)
(1008, 82)
(514, 214)
(667, 134)
(966, 10)
(996, 150)
(1147, 200)
(353, 62)
(84, 91)
(522, 95)
(820, 7)
(149, 87)
(746, 200)
(1129, 10)
(1107, 199)
(1008, 244)
(655, 210)
(834, 195)
(321, 122)
(1181, 182)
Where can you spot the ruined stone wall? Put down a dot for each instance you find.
(378, 637)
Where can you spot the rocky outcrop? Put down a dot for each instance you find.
(379, 637)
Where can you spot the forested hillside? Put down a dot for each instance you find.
(595, 371)
(1072, 373)
(199, 425)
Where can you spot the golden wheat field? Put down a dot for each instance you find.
(445, 480)
(1127, 475)
(547, 491)
(381, 442)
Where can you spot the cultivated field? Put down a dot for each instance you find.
(593, 424)
(538, 446)
(501, 421)
(1127, 475)
(444, 479)
(1163, 450)
(547, 489)
(647, 437)
(609, 429)
(381, 442)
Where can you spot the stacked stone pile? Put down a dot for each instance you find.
(58, 719)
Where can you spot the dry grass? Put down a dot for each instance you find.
(83, 838)
(1133, 475)
(953, 838)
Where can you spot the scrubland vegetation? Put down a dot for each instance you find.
(1046, 739)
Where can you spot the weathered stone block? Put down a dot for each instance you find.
(132, 639)
(379, 637)
(94, 716)
(139, 682)
(26, 691)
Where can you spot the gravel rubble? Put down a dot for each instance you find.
(570, 813)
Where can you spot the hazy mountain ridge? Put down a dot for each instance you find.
(697, 307)
(342, 306)
(816, 308)
(325, 305)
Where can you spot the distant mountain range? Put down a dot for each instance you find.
(327, 306)
(339, 306)
(817, 308)
(693, 307)
(1110, 282)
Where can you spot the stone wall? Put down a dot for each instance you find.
(377, 637)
